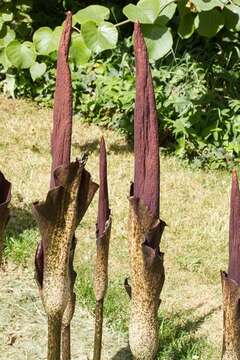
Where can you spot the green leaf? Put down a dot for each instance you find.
(20, 55)
(56, 36)
(182, 7)
(186, 26)
(79, 52)
(10, 36)
(4, 59)
(42, 39)
(206, 5)
(166, 14)
(99, 38)
(146, 11)
(158, 40)
(37, 70)
(94, 13)
(208, 23)
(8, 16)
(9, 85)
(232, 17)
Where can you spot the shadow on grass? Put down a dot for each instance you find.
(92, 146)
(88, 147)
(20, 220)
(123, 354)
(21, 236)
(121, 148)
(178, 339)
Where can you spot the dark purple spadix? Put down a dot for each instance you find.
(62, 113)
(146, 146)
(103, 202)
(234, 231)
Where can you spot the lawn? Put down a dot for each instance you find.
(194, 204)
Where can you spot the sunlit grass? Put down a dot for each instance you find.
(194, 204)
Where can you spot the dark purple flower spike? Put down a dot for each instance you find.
(145, 227)
(231, 281)
(58, 216)
(62, 113)
(103, 237)
(5, 197)
(103, 202)
(146, 145)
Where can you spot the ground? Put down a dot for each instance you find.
(194, 204)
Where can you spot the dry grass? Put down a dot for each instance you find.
(193, 203)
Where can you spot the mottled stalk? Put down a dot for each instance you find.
(145, 227)
(231, 281)
(66, 342)
(98, 330)
(103, 237)
(54, 338)
(5, 197)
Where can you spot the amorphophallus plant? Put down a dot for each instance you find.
(5, 197)
(71, 192)
(104, 222)
(145, 227)
(231, 280)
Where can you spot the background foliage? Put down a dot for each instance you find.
(194, 50)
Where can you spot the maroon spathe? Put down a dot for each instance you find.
(103, 202)
(5, 191)
(146, 146)
(62, 113)
(234, 231)
(62, 123)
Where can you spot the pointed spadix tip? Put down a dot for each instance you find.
(68, 15)
(102, 141)
(234, 174)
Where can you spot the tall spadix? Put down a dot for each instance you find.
(146, 143)
(103, 237)
(145, 227)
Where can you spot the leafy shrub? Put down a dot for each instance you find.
(197, 83)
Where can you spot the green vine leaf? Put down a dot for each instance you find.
(186, 26)
(208, 23)
(56, 36)
(146, 11)
(99, 38)
(4, 59)
(232, 17)
(94, 13)
(158, 39)
(20, 55)
(203, 5)
(37, 70)
(9, 36)
(166, 14)
(79, 52)
(42, 39)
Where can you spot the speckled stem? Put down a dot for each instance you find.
(54, 337)
(231, 318)
(66, 342)
(147, 278)
(98, 329)
(100, 285)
